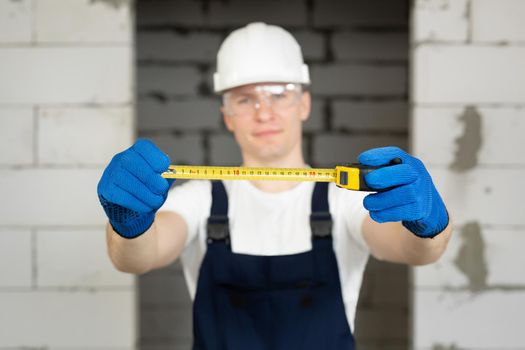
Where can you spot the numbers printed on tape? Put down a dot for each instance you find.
(242, 173)
(344, 176)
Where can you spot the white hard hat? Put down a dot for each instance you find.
(259, 53)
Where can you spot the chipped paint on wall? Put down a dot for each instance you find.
(471, 260)
(470, 142)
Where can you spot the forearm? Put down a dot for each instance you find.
(421, 251)
(137, 255)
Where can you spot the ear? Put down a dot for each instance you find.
(228, 119)
(306, 105)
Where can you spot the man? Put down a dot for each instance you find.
(270, 265)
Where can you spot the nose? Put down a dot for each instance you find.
(263, 110)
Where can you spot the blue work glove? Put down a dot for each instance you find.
(413, 200)
(131, 189)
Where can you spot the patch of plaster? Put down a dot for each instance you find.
(116, 4)
(470, 142)
(471, 257)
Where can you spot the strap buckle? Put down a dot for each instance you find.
(321, 224)
(218, 228)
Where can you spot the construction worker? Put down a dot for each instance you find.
(270, 265)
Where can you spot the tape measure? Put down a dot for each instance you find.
(350, 176)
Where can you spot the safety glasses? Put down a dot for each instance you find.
(246, 101)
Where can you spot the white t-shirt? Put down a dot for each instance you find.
(263, 223)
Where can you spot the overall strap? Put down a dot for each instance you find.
(320, 218)
(218, 228)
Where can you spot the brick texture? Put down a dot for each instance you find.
(434, 21)
(468, 97)
(88, 264)
(167, 12)
(503, 262)
(447, 324)
(499, 22)
(67, 319)
(386, 116)
(359, 80)
(330, 150)
(495, 124)
(65, 109)
(168, 81)
(15, 258)
(370, 46)
(182, 114)
(16, 136)
(72, 75)
(15, 22)
(82, 21)
(501, 66)
(182, 149)
(59, 141)
(238, 12)
(366, 13)
(172, 46)
(55, 198)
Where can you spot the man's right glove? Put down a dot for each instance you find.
(131, 189)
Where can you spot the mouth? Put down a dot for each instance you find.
(267, 133)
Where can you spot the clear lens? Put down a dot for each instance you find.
(245, 102)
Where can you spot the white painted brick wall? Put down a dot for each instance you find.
(497, 124)
(16, 136)
(82, 21)
(76, 258)
(75, 319)
(15, 21)
(504, 262)
(469, 74)
(484, 194)
(468, 62)
(79, 75)
(15, 258)
(82, 136)
(490, 320)
(498, 21)
(440, 20)
(51, 197)
(65, 109)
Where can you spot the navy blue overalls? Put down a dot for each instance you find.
(248, 302)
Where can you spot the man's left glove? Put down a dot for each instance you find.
(413, 199)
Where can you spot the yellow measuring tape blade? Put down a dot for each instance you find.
(347, 177)
(242, 173)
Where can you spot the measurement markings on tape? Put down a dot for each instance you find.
(348, 177)
(242, 173)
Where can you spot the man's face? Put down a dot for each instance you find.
(266, 119)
